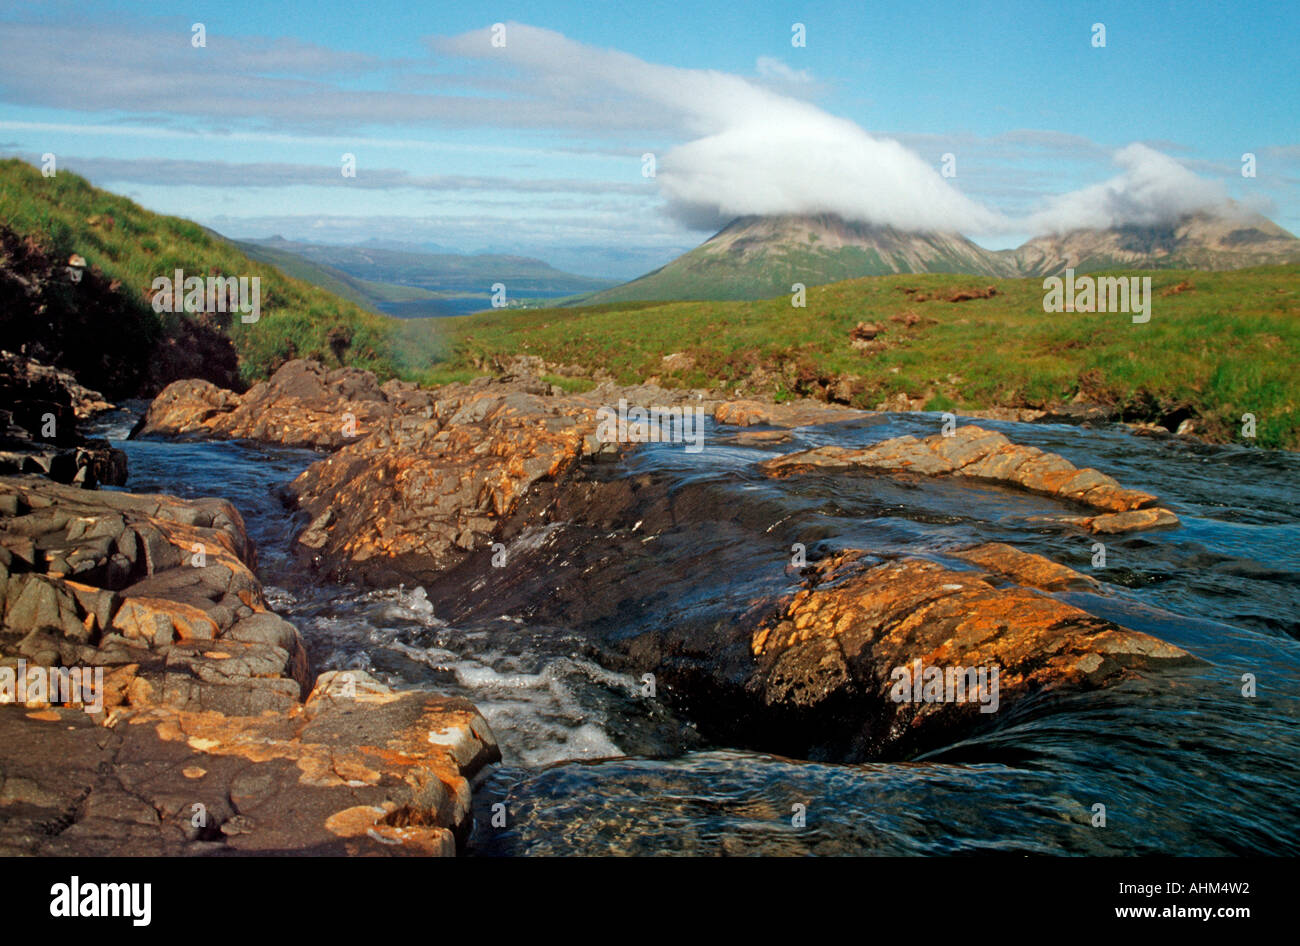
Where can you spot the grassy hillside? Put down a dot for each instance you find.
(325, 277)
(758, 257)
(1222, 345)
(364, 292)
(132, 246)
(704, 275)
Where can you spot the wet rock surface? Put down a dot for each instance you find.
(1031, 570)
(427, 488)
(423, 478)
(439, 482)
(38, 426)
(987, 456)
(866, 639)
(204, 698)
(301, 405)
(802, 672)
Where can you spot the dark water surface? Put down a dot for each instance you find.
(1183, 763)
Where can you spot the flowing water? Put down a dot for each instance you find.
(1183, 762)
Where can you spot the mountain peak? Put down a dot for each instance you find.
(756, 257)
(1232, 238)
(761, 256)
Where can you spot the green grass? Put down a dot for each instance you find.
(132, 245)
(940, 402)
(569, 385)
(1226, 347)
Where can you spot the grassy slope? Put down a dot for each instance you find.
(363, 292)
(66, 214)
(707, 275)
(1226, 347)
(326, 277)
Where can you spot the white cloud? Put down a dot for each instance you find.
(811, 162)
(754, 150)
(1153, 188)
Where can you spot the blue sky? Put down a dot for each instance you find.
(536, 147)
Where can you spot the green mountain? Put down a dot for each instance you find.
(369, 295)
(760, 257)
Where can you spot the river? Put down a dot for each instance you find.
(592, 766)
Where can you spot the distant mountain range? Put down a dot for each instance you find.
(760, 257)
(411, 282)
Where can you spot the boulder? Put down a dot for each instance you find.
(421, 492)
(857, 646)
(862, 335)
(38, 426)
(302, 405)
(802, 413)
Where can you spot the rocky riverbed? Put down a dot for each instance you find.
(196, 723)
(746, 598)
(39, 430)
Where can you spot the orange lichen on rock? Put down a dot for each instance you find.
(1025, 568)
(302, 405)
(744, 413)
(203, 712)
(438, 486)
(843, 637)
(988, 456)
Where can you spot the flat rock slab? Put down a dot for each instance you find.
(1026, 568)
(356, 770)
(806, 413)
(988, 456)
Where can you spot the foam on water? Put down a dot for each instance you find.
(544, 707)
